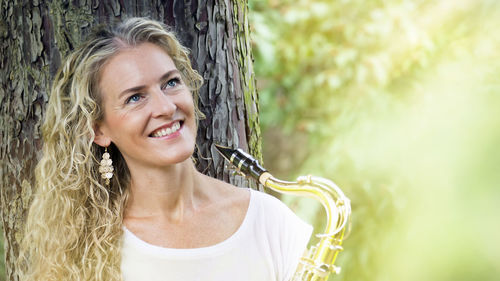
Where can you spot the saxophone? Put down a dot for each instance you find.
(318, 261)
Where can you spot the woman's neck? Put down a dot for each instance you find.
(170, 192)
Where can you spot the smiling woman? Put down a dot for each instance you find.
(144, 101)
(143, 212)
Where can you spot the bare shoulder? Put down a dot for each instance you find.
(228, 194)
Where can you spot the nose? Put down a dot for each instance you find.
(162, 104)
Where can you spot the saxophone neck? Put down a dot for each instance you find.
(320, 261)
(264, 177)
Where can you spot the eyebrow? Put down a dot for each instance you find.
(138, 88)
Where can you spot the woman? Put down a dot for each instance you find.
(118, 195)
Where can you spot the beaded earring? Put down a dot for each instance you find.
(106, 167)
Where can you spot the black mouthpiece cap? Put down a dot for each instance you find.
(245, 163)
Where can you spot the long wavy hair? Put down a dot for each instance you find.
(74, 225)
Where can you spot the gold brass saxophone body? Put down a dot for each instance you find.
(318, 262)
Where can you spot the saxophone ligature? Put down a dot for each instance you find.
(318, 261)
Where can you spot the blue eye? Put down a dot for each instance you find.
(133, 98)
(172, 83)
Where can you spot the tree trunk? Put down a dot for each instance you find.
(36, 35)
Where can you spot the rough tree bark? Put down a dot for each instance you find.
(36, 35)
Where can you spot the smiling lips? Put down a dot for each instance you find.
(166, 131)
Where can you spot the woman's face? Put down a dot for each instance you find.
(148, 110)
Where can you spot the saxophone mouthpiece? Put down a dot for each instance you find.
(225, 151)
(243, 161)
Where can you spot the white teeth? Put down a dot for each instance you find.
(167, 131)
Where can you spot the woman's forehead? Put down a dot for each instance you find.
(136, 66)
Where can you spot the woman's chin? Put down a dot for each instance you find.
(180, 156)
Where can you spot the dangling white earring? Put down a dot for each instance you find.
(106, 167)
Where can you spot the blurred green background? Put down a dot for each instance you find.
(398, 102)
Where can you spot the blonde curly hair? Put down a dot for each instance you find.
(74, 225)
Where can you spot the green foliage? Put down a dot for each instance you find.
(397, 101)
(314, 53)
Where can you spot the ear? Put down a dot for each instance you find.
(100, 138)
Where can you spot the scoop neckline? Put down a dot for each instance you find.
(211, 250)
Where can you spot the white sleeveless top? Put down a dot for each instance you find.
(266, 247)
